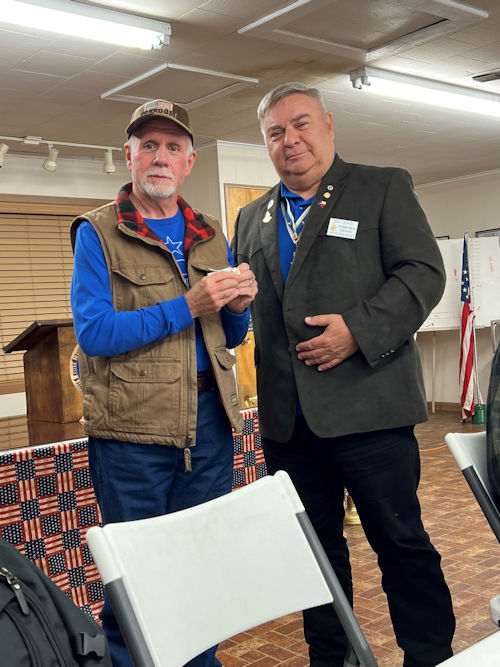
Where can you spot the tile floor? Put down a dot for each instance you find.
(458, 529)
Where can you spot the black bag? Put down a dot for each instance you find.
(40, 626)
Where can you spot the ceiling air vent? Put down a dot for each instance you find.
(489, 76)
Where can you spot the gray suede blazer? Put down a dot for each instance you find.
(384, 283)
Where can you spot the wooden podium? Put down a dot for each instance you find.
(247, 382)
(53, 404)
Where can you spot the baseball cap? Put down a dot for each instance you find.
(160, 109)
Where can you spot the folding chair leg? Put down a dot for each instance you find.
(340, 602)
(129, 626)
(351, 659)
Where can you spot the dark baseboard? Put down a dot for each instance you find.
(444, 407)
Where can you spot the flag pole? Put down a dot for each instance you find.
(471, 301)
(478, 412)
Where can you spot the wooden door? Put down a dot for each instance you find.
(236, 197)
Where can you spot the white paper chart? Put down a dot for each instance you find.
(484, 268)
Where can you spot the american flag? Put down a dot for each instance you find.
(466, 384)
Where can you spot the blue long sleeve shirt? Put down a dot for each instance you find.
(103, 331)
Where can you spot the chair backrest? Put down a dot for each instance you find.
(495, 610)
(183, 582)
(483, 654)
(469, 451)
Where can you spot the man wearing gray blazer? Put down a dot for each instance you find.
(348, 269)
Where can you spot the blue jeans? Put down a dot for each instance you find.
(381, 471)
(136, 481)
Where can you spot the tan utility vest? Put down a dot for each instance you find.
(149, 395)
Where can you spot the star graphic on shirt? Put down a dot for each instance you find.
(175, 246)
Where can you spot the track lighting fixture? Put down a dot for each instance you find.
(50, 162)
(3, 150)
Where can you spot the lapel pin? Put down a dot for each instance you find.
(270, 204)
(329, 187)
(267, 217)
(326, 195)
(322, 203)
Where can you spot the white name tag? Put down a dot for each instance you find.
(344, 229)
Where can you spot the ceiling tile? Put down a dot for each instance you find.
(154, 8)
(46, 62)
(19, 45)
(34, 83)
(125, 64)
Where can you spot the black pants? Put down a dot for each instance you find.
(381, 471)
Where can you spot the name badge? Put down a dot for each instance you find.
(344, 229)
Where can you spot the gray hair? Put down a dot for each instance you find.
(284, 90)
(133, 139)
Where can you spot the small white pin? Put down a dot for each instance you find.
(270, 204)
(267, 217)
(329, 187)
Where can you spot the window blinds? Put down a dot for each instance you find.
(36, 263)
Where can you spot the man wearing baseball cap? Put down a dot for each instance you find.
(157, 305)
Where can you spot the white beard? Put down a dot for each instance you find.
(158, 189)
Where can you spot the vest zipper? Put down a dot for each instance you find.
(189, 438)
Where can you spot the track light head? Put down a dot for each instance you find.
(108, 167)
(50, 163)
(3, 150)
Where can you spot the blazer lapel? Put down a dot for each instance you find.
(268, 222)
(322, 207)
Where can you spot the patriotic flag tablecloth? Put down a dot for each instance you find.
(47, 504)
(249, 463)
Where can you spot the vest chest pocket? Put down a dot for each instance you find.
(225, 358)
(139, 286)
(144, 395)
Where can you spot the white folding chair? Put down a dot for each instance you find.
(183, 582)
(469, 450)
(485, 653)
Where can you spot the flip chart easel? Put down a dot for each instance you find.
(484, 269)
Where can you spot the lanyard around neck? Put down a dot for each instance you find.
(293, 226)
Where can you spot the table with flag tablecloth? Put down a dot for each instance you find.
(249, 463)
(47, 504)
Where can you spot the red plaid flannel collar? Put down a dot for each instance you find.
(196, 229)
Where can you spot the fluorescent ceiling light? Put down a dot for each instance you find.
(87, 22)
(426, 91)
